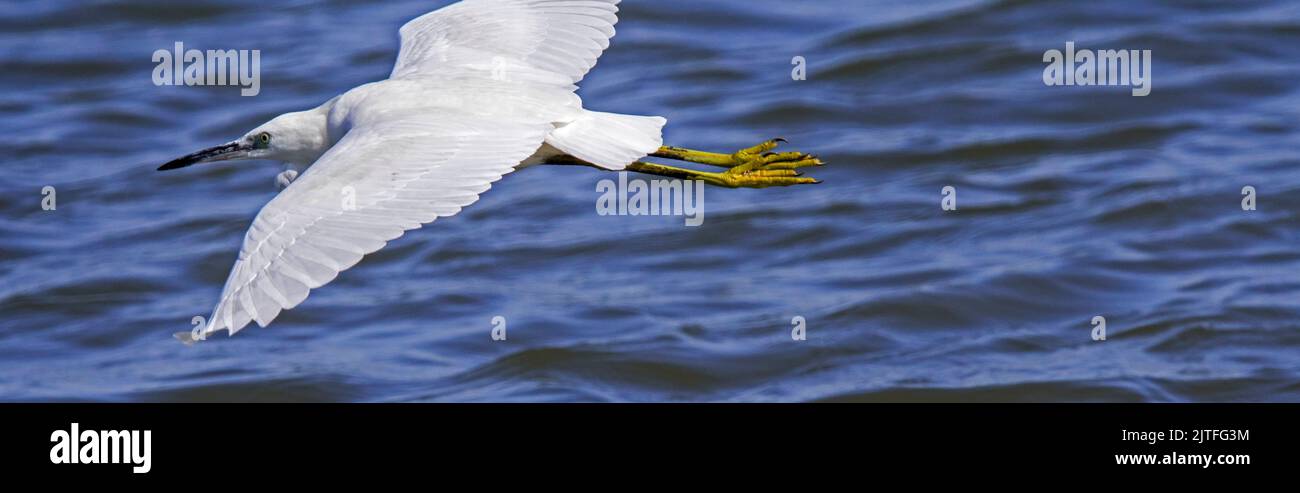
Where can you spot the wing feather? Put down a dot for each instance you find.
(545, 41)
(398, 176)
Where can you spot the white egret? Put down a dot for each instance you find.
(480, 88)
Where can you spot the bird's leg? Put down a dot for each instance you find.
(754, 167)
(754, 178)
(759, 155)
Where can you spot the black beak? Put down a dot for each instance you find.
(222, 152)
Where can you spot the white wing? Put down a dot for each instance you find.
(374, 184)
(544, 41)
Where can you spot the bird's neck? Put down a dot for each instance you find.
(315, 135)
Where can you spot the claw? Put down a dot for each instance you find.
(774, 172)
(771, 181)
(760, 167)
(744, 154)
(802, 163)
(775, 157)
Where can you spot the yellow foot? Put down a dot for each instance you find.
(758, 167)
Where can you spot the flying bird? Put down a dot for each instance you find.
(480, 88)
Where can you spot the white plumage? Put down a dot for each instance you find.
(479, 88)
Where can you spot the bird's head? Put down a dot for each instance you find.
(299, 138)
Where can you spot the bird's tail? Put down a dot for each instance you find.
(609, 140)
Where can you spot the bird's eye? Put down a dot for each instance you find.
(263, 139)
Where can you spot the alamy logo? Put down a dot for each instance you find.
(101, 447)
(183, 67)
(1100, 68)
(656, 198)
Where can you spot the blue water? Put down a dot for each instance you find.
(1072, 202)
